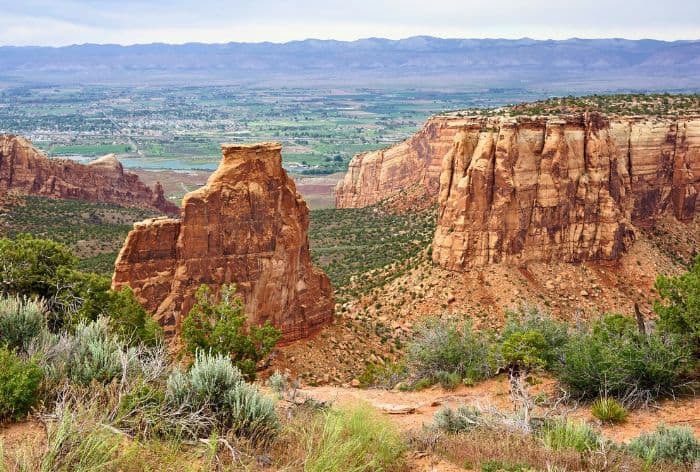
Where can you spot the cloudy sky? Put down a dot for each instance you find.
(62, 22)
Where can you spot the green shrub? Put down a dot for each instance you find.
(215, 392)
(554, 333)
(19, 385)
(31, 266)
(673, 444)
(221, 329)
(617, 361)
(679, 308)
(570, 435)
(130, 321)
(442, 348)
(354, 440)
(523, 351)
(609, 410)
(21, 320)
(464, 418)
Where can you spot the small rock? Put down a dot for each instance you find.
(355, 383)
(584, 293)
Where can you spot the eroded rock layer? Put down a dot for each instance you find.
(570, 188)
(247, 226)
(25, 170)
(376, 175)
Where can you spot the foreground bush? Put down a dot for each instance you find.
(444, 350)
(673, 444)
(609, 410)
(351, 440)
(213, 394)
(221, 328)
(613, 359)
(19, 385)
(21, 320)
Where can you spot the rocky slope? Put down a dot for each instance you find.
(25, 170)
(247, 226)
(569, 188)
(376, 175)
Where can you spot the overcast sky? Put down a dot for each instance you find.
(62, 22)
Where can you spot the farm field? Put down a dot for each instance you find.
(181, 128)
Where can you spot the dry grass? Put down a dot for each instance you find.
(473, 449)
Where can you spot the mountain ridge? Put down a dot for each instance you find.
(605, 63)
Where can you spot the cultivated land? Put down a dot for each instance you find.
(181, 128)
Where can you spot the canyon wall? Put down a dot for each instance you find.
(248, 226)
(26, 171)
(376, 175)
(569, 188)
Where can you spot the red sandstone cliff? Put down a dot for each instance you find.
(571, 188)
(376, 175)
(25, 170)
(247, 226)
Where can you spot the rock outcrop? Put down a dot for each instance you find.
(248, 226)
(25, 170)
(376, 175)
(569, 188)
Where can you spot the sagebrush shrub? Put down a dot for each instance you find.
(213, 393)
(609, 410)
(464, 418)
(21, 321)
(19, 385)
(96, 354)
(443, 347)
(674, 444)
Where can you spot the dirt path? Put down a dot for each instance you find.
(411, 410)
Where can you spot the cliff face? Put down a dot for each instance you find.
(25, 170)
(568, 189)
(376, 175)
(247, 226)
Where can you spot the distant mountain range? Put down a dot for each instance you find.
(592, 64)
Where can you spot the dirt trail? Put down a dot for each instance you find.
(419, 407)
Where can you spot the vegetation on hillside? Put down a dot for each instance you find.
(353, 245)
(647, 104)
(94, 231)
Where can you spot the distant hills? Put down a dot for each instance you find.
(423, 61)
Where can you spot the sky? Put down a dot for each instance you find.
(64, 22)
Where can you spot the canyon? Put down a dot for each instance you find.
(571, 187)
(24, 170)
(247, 226)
